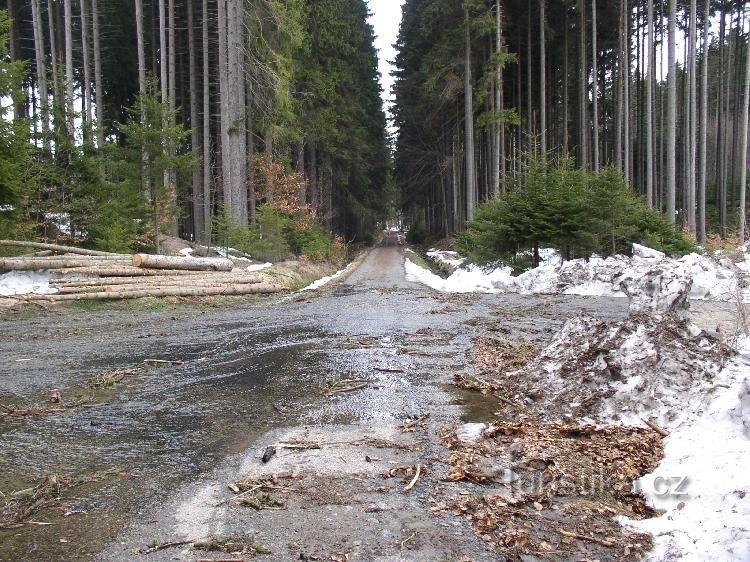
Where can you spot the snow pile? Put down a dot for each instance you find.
(705, 515)
(323, 281)
(259, 266)
(24, 283)
(445, 259)
(471, 279)
(187, 252)
(652, 364)
(712, 279)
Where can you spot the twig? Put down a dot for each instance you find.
(164, 546)
(586, 538)
(238, 496)
(389, 369)
(656, 428)
(414, 480)
(403, 543)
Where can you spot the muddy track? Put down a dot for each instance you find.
(165, 443)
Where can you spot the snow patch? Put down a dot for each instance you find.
(705, 515)
(322, 281)
(470, 432)
(187, 252)
(259, 266)
(24, 283)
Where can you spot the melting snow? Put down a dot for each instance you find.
(25, 282)
(259, 266)
(322, 281)
(712, 278)
(705, 515)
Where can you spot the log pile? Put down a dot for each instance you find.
(81, 274)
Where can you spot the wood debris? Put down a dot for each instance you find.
(332, 388)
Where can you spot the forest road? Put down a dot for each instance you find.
(329, 378)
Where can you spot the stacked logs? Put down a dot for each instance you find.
(81, 274)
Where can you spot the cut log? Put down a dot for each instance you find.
(122, 271)
(9, 264)
(150, 261)
(55, 248)
(250, 289)
(149, 286)
(158, 280)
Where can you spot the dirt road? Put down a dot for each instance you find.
(162, 445)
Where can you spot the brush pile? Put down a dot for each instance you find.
(82, 274)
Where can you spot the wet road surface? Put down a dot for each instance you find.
(165, 443)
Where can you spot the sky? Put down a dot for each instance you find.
(385, 18)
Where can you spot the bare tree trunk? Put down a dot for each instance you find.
(620, 93)
(145, 178)
(69, 90)
(720, 202)
(41, 71)
(742, 222)
(206, 126)
(98, 84)
(649, 108)
(704, 129)
(195, 140)
(566, 89)
(671, 113)
(469, 125)
(499, 160)
(58, 90)
(542, 81)
(626, 92)
(692, 45)
(86, 88)
(582, 89)
(595, 82)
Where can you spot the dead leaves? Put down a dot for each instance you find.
(568, 482)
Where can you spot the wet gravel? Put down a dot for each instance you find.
(251, 373)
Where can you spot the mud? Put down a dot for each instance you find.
(172, 439)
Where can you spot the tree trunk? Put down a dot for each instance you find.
(195, 136)
(499, 161)
(742, 222)
(626, 92)
(206, 126)
(692, 45)
(150, 261)
(69, 90)
(566, 88)
(582, 88)
(595, 92)
(257, 288)
(542, 81)
(98, 84)
(671, 113)
(58, 95)
(41, 71)
(469, 125)
(54, 248)
(619, 93)
(704, 130)
(649, 108)
(86, 88)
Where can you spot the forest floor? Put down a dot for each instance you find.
(141, 433)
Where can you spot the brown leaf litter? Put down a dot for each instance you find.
(553, 490)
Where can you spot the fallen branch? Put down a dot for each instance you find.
(586, 538)
(411, 484)
(403, 543)
(656, 428)
(163, 546)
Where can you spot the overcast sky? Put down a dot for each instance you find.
(386, 16)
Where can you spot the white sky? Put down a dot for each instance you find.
(385, 18)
